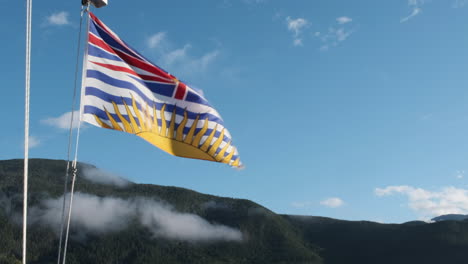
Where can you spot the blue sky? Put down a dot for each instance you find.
(348, 109)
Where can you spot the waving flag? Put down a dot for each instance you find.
(124, 91)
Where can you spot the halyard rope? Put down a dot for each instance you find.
(74, 164)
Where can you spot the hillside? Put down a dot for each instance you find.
(141, 223)
(450, 217)
(266, 236)
(368, 242)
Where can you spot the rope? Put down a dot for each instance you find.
(74, 164)
(26, 123)
(70, 136)
(72, 191)
(69, 213)
(62, 223)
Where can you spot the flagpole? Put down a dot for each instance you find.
(74, 163)
(85, 4)
(26, 123)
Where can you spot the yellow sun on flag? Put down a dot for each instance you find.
(170, 138)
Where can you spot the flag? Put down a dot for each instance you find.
(124, 91)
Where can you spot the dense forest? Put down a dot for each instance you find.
(157, 224)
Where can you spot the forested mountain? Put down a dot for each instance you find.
(116, 221)
(453, 217)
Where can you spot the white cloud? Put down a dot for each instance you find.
(333, 37)
(428, 204)
(165, 222)
(417, 3)
(342, 34)
(186, 64)
(416, 11)
(206, 59)
(296, 26)
(337, 33)
(63, 121)
(460, 174)
(297, 42)
(106, 214)
(416, 6)
(176, 55)
(179, 59)
(33, 142)
(333, 202)
(343, 20)
(6, 204)
(156, 39)
(58, 19)
(100, 176)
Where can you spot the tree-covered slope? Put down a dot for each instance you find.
(266, 236)
(353, 242)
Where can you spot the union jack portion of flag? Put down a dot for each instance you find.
(124, 91)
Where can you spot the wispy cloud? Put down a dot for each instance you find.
(113, 214)
(103, 177)
(156, 39)
(342, 34)
(63, 121)
(335, 34)
(177, 55)
(333, 202)
(6, 204)
(428, 204)
(416, 11)
(343, 20)
(297, 42)
(296, 26)
(460, 174)
(58, 19)
(417, 7)
(33, 141)
(417, 3)
(179, 58)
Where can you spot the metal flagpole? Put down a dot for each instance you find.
(86, 4)
(84, 9)
(26, 123)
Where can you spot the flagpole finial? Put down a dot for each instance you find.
(95, 3)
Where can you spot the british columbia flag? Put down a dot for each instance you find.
(124, 91)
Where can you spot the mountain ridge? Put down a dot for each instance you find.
(450, 217)
(156, 218)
